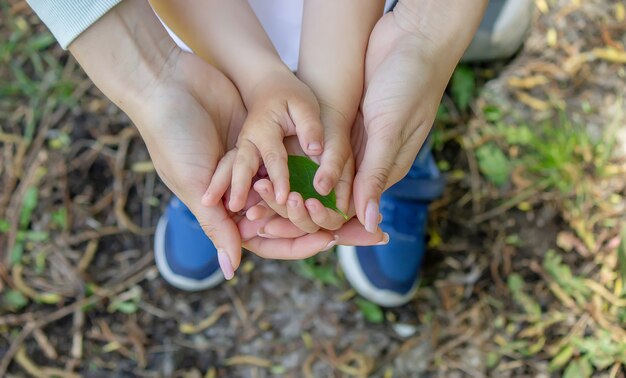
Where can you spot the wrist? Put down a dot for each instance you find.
(445, 27)
(126, 52)
(254, 88)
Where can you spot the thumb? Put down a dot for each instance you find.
(223, 232)
(372, 178)
(306, 117)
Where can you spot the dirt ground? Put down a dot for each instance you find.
(522, 277)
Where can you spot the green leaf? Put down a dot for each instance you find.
(371, 311)
(493, 359)
(14, 300)
(59, 217)
(278, 369)
(301, 173)
(37, 236)
(28, 206)
(463, 86)
(49, 298)
(493, 163)
(516, 134)
(562, 274)
(580, 368)
(516, 285)
(492, 113)
(4, 226)
(561, 358)
(16, 253)
(127, 307)
(41, 42)
(325, 273)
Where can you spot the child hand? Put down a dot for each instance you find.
(281, 106)
(308, 216)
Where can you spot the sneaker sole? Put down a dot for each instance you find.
(357, 278)
(176, 280)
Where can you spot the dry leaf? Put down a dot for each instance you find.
(532, 102)
(527, 82)
(189, 328)
(552, 37)
(620, 12)
(610, 54)
(542, 5)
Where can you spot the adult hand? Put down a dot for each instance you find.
(411, 55)
(188, 114)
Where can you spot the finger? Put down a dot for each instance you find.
(251, 229)
(274, 157)
(265, 189)
(353, 233)
(322, 216)
(245, 166)
(371, 178)
(337, 152)
(259, 211)
(282, 228)
(224, 234)
(220, 180)
(309, 129)
(291, 249)
(298, 215)
(343, 189)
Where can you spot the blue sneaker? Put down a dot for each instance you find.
(389, 274)
(184, 255)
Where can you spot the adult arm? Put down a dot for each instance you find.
(411, 56)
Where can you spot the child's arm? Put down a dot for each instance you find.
(334, 39)
(228, 34)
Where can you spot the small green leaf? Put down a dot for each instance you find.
(493, 164)
(4, 226)
(16, 253)
(493, 359)
(48, 298)
(127, 307)
(14, 300)
(278, 369)
(463, 86)
(28, 206)
(371, 311)
(561, 358)
(492, 113)
(59, 217)
(580, 368)
(41, 42)
(301, 173)
(40, 262)
(37, 236)
(324, 273)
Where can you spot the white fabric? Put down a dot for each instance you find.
(282, 21)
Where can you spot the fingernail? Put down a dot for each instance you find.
(292, 203)
(225, 265)
(331, 244)
(261, 233)
(385, 239)
(324, 184)
(314, 147)
(279, 195)
(371, 216)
